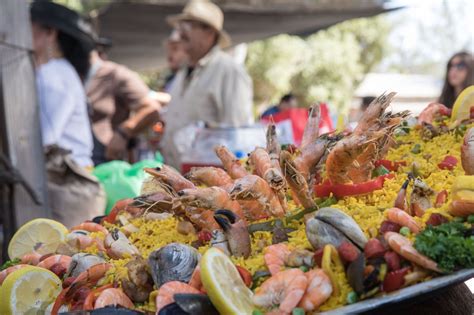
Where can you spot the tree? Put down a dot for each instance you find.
(326, 66)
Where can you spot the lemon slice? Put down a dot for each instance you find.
(29, 291)
(462, 105)
(223, 284)
(40, 235)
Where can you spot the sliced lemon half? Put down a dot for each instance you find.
(29, 291)
(223, 284)
(40, 235)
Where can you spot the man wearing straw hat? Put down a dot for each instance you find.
(211, 87)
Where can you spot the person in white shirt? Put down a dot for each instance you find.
(61, 46)
(61, 52)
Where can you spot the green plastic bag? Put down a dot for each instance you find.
(122, 180)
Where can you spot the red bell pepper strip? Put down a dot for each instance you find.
(342, 190)
(390, 165)
(441, 198)
(449, 163)
(394, 280)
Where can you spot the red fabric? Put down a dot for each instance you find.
(299, 117)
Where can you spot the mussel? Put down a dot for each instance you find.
(186, 304)
(172, 262)
(332, 226)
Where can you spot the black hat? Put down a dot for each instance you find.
(63, 19)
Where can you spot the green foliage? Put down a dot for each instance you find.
(326, 66)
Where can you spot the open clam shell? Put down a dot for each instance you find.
(173, 262)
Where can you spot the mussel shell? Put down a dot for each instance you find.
(355, 273)
(81, 262)
(196, 304)
(173, 262)
(320, 234)
(172, 309)
(344, 224)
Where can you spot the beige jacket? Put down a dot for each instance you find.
(218, 91)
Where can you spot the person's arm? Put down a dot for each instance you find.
(132, 92)
(237, 98)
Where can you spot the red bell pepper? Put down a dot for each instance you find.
(394, 280)
(390, 165)
(449, 163)
(342, 190)
(374, 248)
(441, 198)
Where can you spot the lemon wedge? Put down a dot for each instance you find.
(462, 105)
(223, 284)
(40, 235)
(29, 291)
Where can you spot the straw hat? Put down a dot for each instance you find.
(206, 12)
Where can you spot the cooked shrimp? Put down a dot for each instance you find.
(404, 248)
(401, 200)
(235, 231)
(286, 288)
(78, 240)
(90, 227)
(59, 264)
(230, 163)
(195, 280)
(361, 170)
(467, 152)
(311, 155)
(170, 177)
(404, 219)
(420, 198)
(311, 130)
(210, 176)
(260, 160)
(90, 299)
(273, 147)
(4, 273)
(430, 112)
(87, 278)
(318, 291)
(203, 218)
(296, 181)
(345, 153)
(167, 291)
(253, 210)
(113, 296)
(279, 255)
(373, 113)
(32, 258)
(212, 198)
(253, 187)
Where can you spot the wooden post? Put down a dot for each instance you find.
(20, 135)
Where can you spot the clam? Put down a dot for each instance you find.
(187, 304)
(81, 262)
(332, 226)
(173, 262)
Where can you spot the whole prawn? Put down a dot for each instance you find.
(311, 130)
(170, 177)
(261, 161)
(210, 176)
(253, 187)
(230, 162)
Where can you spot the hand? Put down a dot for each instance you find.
(116, 148)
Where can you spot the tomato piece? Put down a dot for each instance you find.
(374, 248)
(347, 251)
(448, 163)
(389, 226)
(390, 165)
(245, 275)
(341, 190)
(393, 260)
(436, 219)
(394, 280)
(204, 236)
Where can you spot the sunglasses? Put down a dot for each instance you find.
(459, 66)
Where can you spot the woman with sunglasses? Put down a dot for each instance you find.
(459, 75)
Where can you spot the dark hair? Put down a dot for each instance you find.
(76, 53)
(366, 100)
(287, 97)
(448, 96)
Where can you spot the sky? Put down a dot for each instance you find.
(427, 33)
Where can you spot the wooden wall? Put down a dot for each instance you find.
(20, 137)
